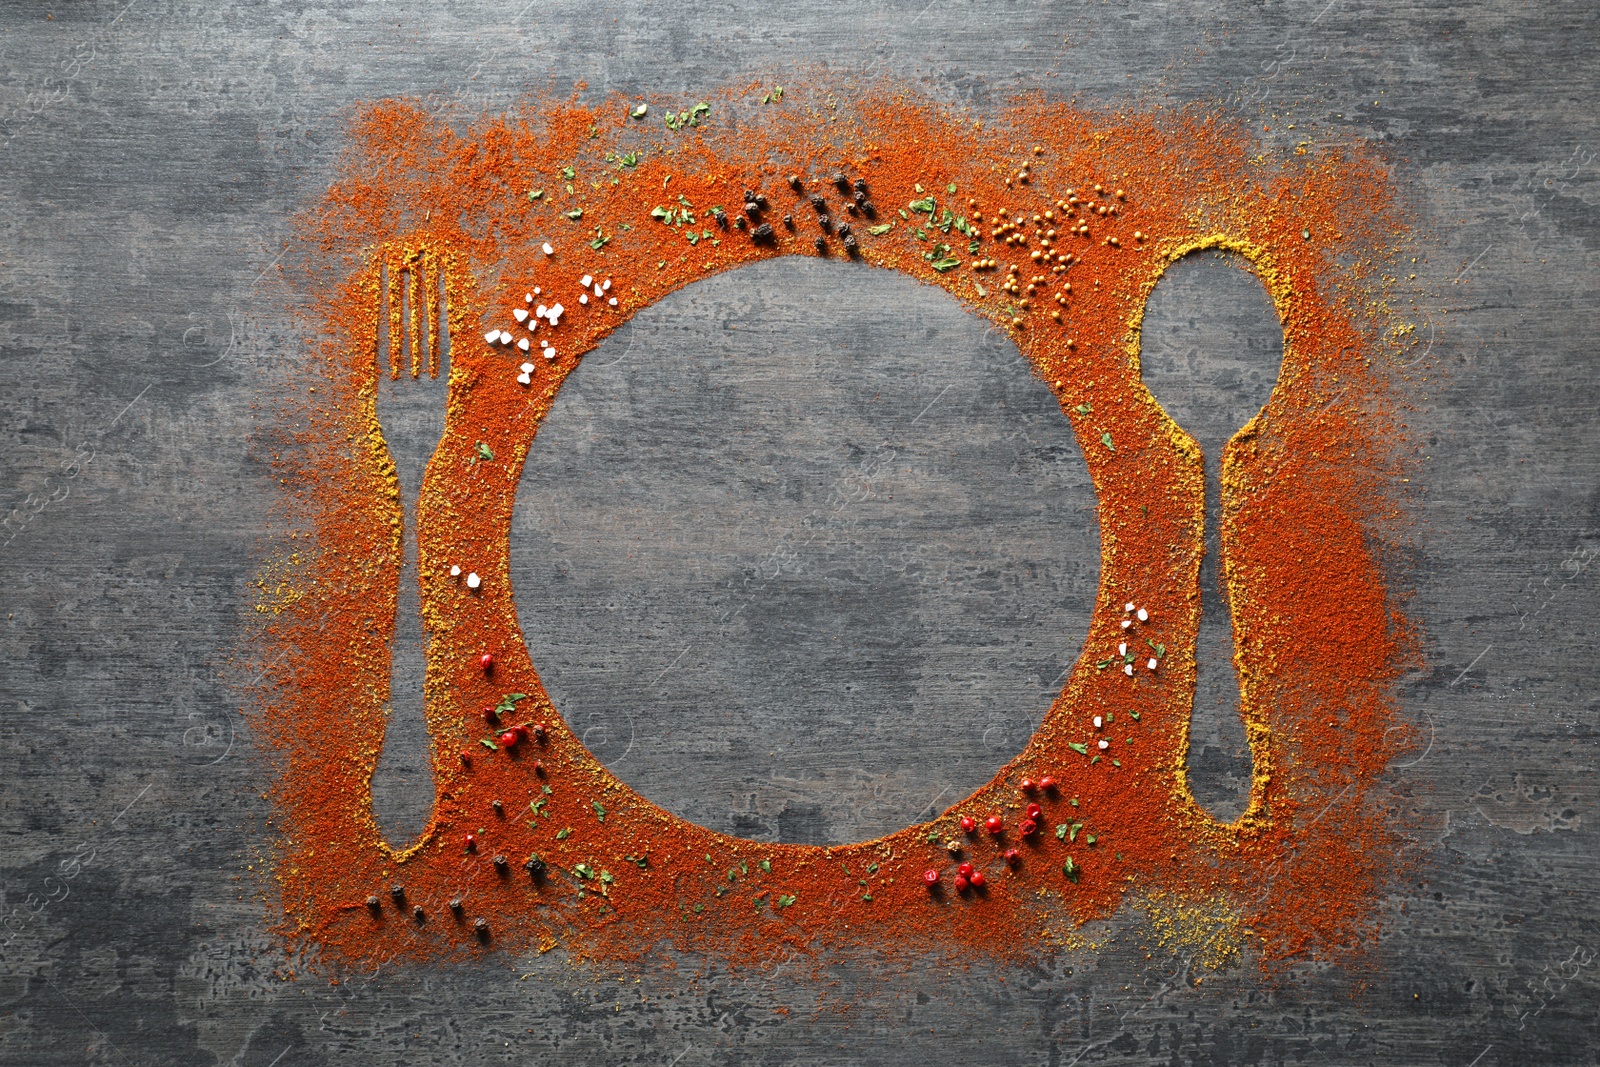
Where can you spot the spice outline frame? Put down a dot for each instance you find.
(477, 377)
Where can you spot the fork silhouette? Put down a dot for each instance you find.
(412, 352)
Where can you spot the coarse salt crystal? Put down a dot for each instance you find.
(523, 344)
(541, 311)
(1151, 663)
(1144, 616)
(584, 299)
(520, 314)
(536, 292)
(548, 250)
(491, 337)
(585, 281)
(1122, 649)
(1103, 744)
(543, 343)
(473, 581)
(612, 301)
(455, 572)
(599, 290)
(1128, 670)
(1098, 722)
(526, 368)
(1126, 623)
(523, 379)
(607, 285)
(549, 353)
(1128, 606)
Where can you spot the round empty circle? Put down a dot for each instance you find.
(803, 552)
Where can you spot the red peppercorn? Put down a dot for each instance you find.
(1047, 783)
(466, 756)
(961, 884)
(930, 877)
(490, 716)
(968, 824)
(539, 732)
(509, 739)
(538, 768)
(1035, 812)
(1013, 857)
(993, 824)
(1028, 827)
(1027, 785)
(472, 842)
(486, 661)
(965, 870)
(977, 880)
(521, 732)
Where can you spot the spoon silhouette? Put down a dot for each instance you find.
(1210, 350)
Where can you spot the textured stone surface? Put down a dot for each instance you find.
(152, 155)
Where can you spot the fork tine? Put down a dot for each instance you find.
(396, 325)
(423, 365)
(443, 330)
(384, 355)
(408, 362)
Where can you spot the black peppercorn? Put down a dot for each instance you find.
(860, 197)
(842, 182)
(501, 865)
(373, 902)
(850, 246)
(794, 182)
(825, 222)
(751, 209)
(843, 229)
(481, 928)
(455, 905)
(763, 234)
(761, 201)
(535, 866)
(788, 220)
(499, 808)
(822, 244)
(397, 893)
(868, 210)
(861, 187)
(818, 202)
(417, 914)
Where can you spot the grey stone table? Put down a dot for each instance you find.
(835, 587)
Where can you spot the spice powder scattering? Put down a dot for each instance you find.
(546, 228)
